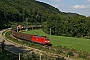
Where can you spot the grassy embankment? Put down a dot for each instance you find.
(70, 42)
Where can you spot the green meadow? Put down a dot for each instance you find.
(70, 42)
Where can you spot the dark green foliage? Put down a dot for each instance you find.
(83, 54)
(70, 53)
(61, 23)
(6, 55)
(67, 25)
(30, 56)
(59, 49)
(12, 11)
(2, 45)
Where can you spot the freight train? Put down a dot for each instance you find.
(33, 38)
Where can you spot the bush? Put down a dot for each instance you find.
(83, 54)
(70, 53)
(30, 56)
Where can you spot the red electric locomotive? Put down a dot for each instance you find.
(33, 38)
(40, 39)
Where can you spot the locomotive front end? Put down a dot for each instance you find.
(47, 41)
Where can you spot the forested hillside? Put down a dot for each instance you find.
(34, 12)
(68, 25)
(18, 10)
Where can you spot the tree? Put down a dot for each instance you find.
(67, 25)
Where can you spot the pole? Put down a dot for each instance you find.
(17, 28)
(50, 31)
(50, 34)
(27, 22)
(19, 56)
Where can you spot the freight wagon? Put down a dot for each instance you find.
(33, 38)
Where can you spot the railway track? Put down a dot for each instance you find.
(27, 48)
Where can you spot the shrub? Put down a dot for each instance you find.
(30, 56)
(70, 53)
(83, 54)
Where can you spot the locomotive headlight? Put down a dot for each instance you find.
(45, 41)
(48, 41)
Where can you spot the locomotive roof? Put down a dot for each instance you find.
(40, 36)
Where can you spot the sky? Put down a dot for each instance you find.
(81, 7)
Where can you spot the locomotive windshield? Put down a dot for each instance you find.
(46, 39)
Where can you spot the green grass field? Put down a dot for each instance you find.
(70, 42)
